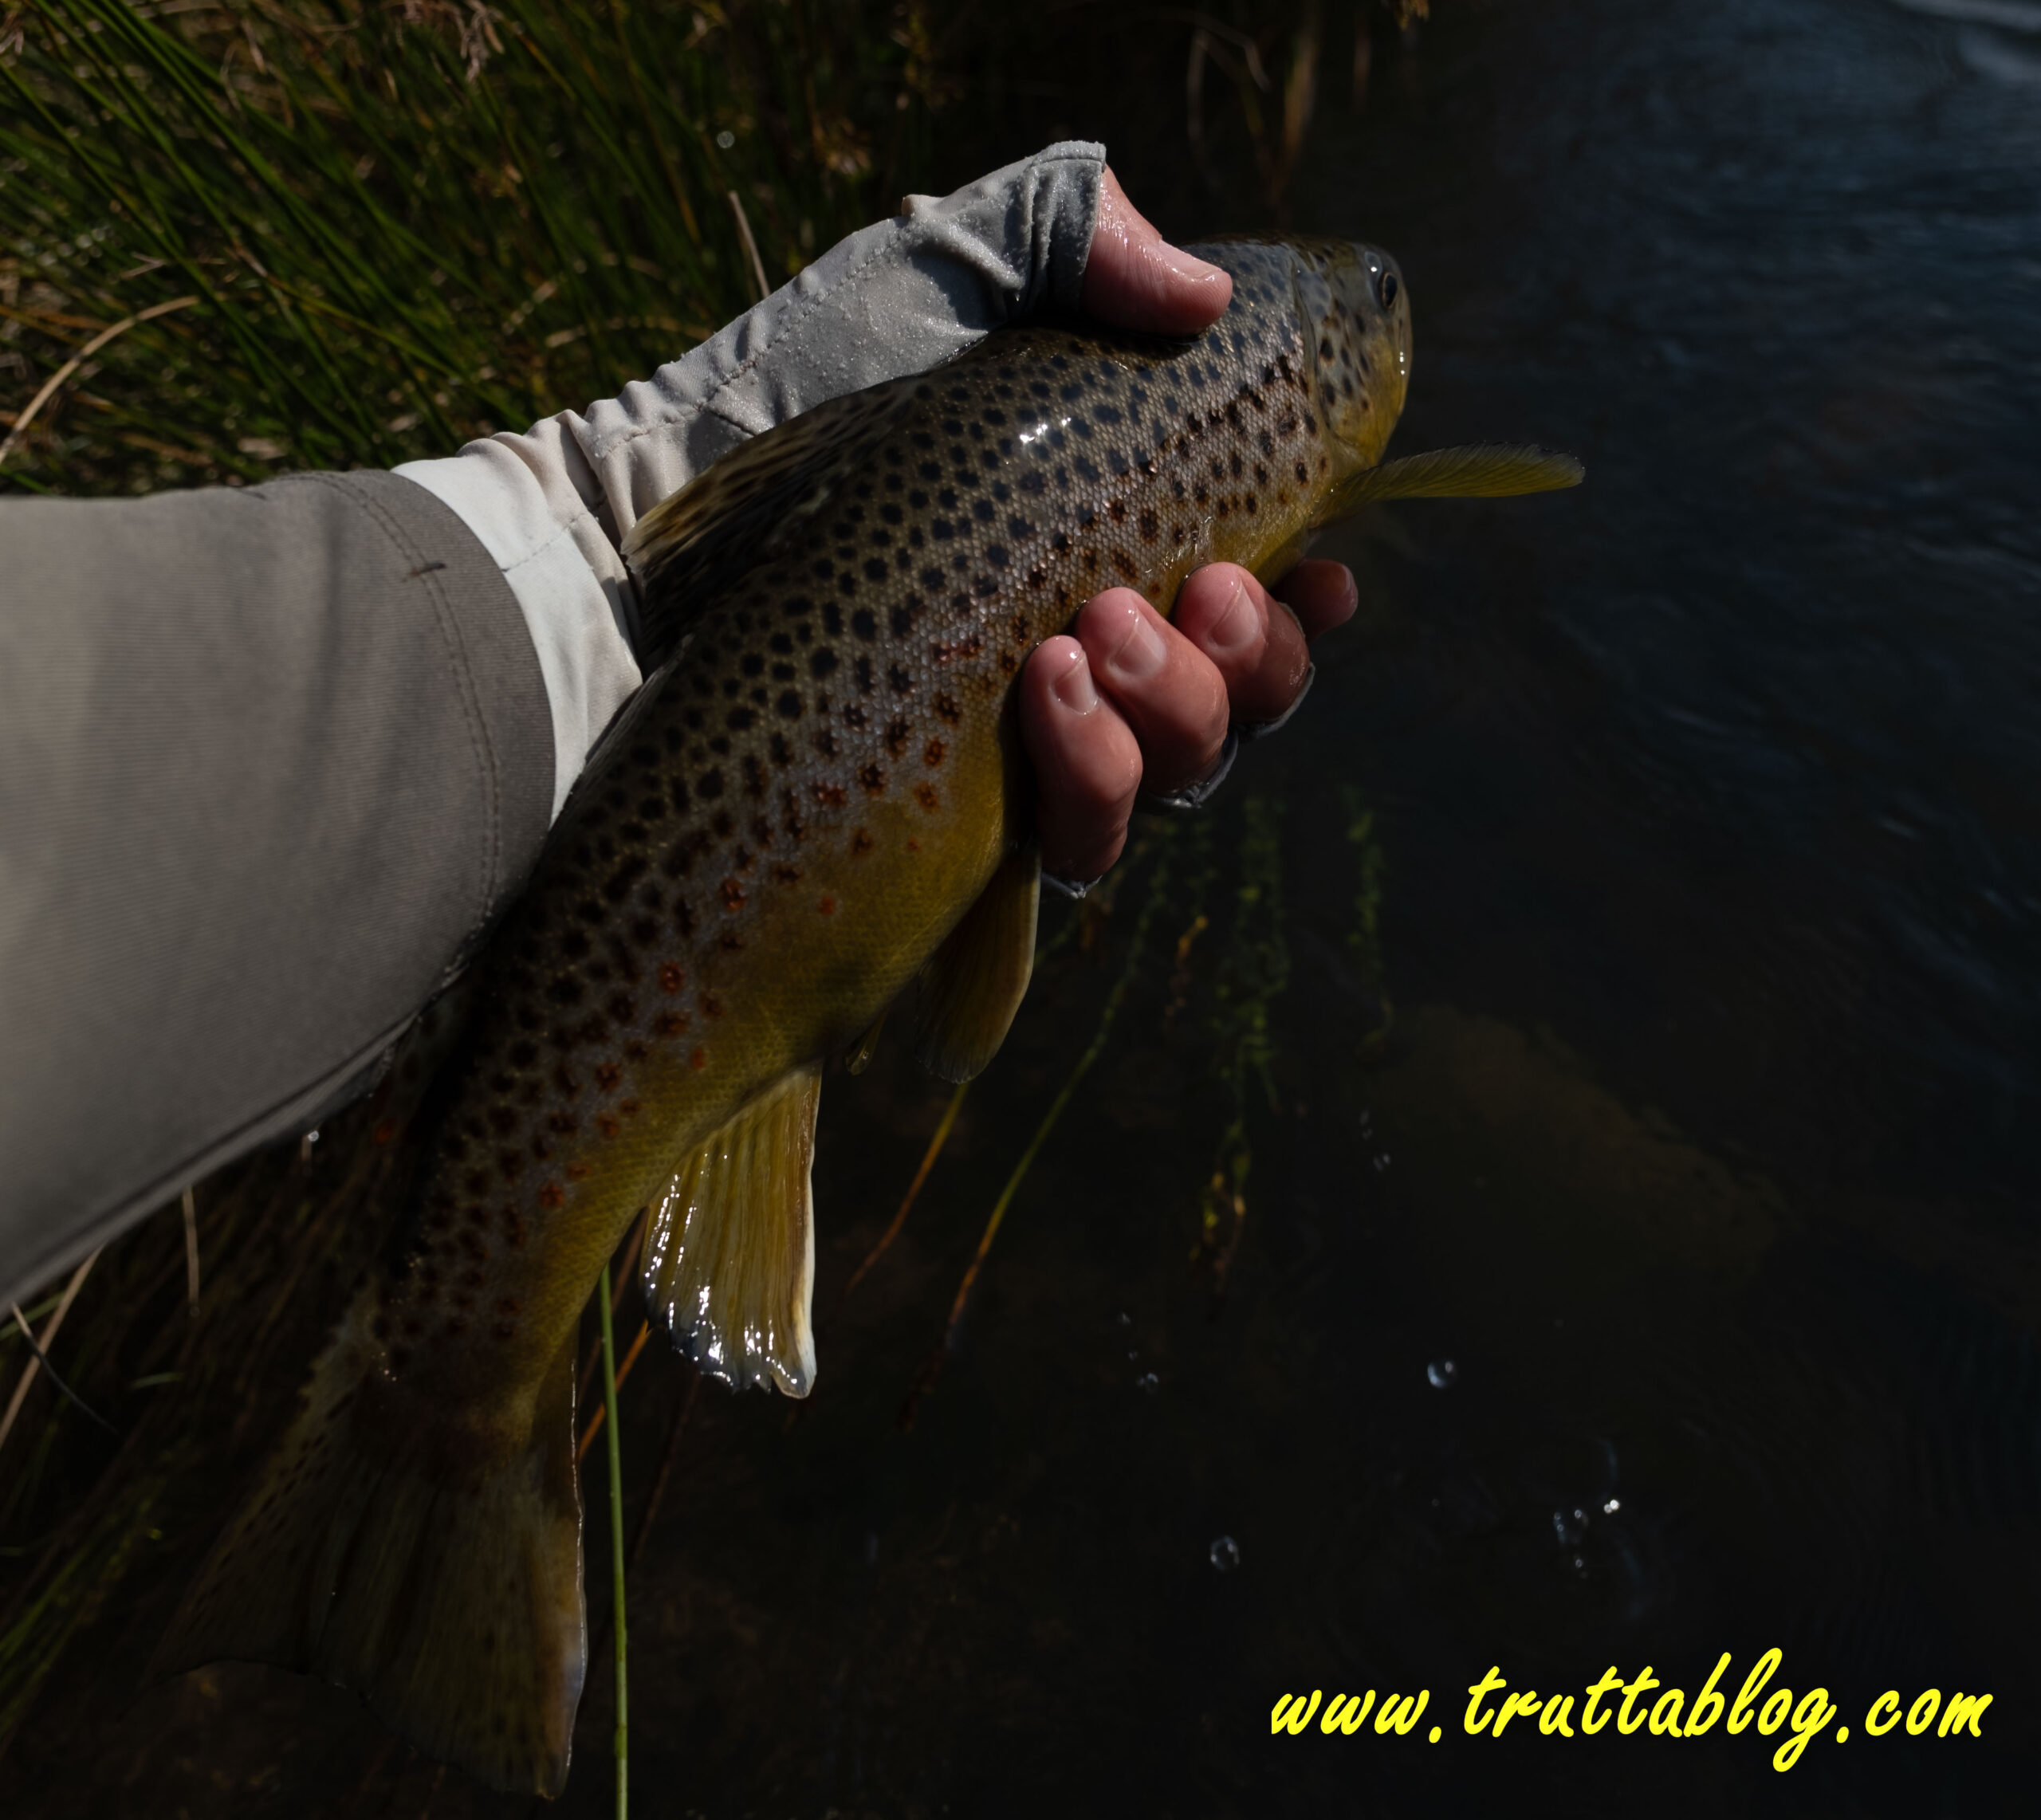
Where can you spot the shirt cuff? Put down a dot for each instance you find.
(569, 580)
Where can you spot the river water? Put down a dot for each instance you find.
(1628, 966)
(1699, 1163)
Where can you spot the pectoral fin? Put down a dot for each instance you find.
(730, 1260)
(1484, 470)
(974, 983)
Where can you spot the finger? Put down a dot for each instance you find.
(1087, 765)
(1135, 279)
(1173, 697)
(1321, 594)
(1254, 642)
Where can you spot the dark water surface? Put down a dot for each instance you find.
(1706, 800)
(1697, 1162)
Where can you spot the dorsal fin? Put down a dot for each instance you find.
(1479, 470)
(741, 505)
(973, 984)
(730, 1264)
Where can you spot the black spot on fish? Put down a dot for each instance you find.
(709, 784)
(821, 661)
(789, 705)
(864, 625)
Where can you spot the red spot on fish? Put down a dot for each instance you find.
(733, 894)
(927, 796)
(607, 1074)
(672, 977)
(711, 1005)
(607, 1123)
(629, 1109)
(913, 846)
(861, 842)
(552, 1195)
(670, 1023)
(385, 1130)
(699, 1058)
(830, 796)
(932, 752)
(828, 906)
(577, 1172)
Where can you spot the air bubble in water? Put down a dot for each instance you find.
(1225, 1554)
(1441, 1373)
(1148, 1381)
(726, 138)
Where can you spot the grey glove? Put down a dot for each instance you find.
(553, 506)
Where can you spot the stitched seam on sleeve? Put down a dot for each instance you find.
(469, 692)
(562, 533)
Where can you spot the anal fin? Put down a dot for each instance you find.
(731, 1259)
(973, 984)
(436, 1572)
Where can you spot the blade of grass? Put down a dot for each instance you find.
(615, 1547)
(42, 1345)
(914, 1188)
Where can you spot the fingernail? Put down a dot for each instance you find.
(1186, 264)
(1236, 627)
(1073, 688)
(1142, 653)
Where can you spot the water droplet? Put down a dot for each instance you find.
(1225, 1554)
(1612, 1507)
(1148, 1381)
(1441, 1373)
(726, 138)
(1569, 1527)
(1123, 1319)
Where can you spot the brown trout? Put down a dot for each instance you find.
(817, 801)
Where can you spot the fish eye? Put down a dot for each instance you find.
(1386, 288)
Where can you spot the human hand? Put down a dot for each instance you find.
(1134, 702)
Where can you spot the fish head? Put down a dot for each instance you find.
(1355, 313)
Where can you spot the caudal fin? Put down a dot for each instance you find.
(438, 1575)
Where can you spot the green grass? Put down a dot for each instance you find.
(404, 233)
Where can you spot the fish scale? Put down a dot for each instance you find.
(817, 796)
